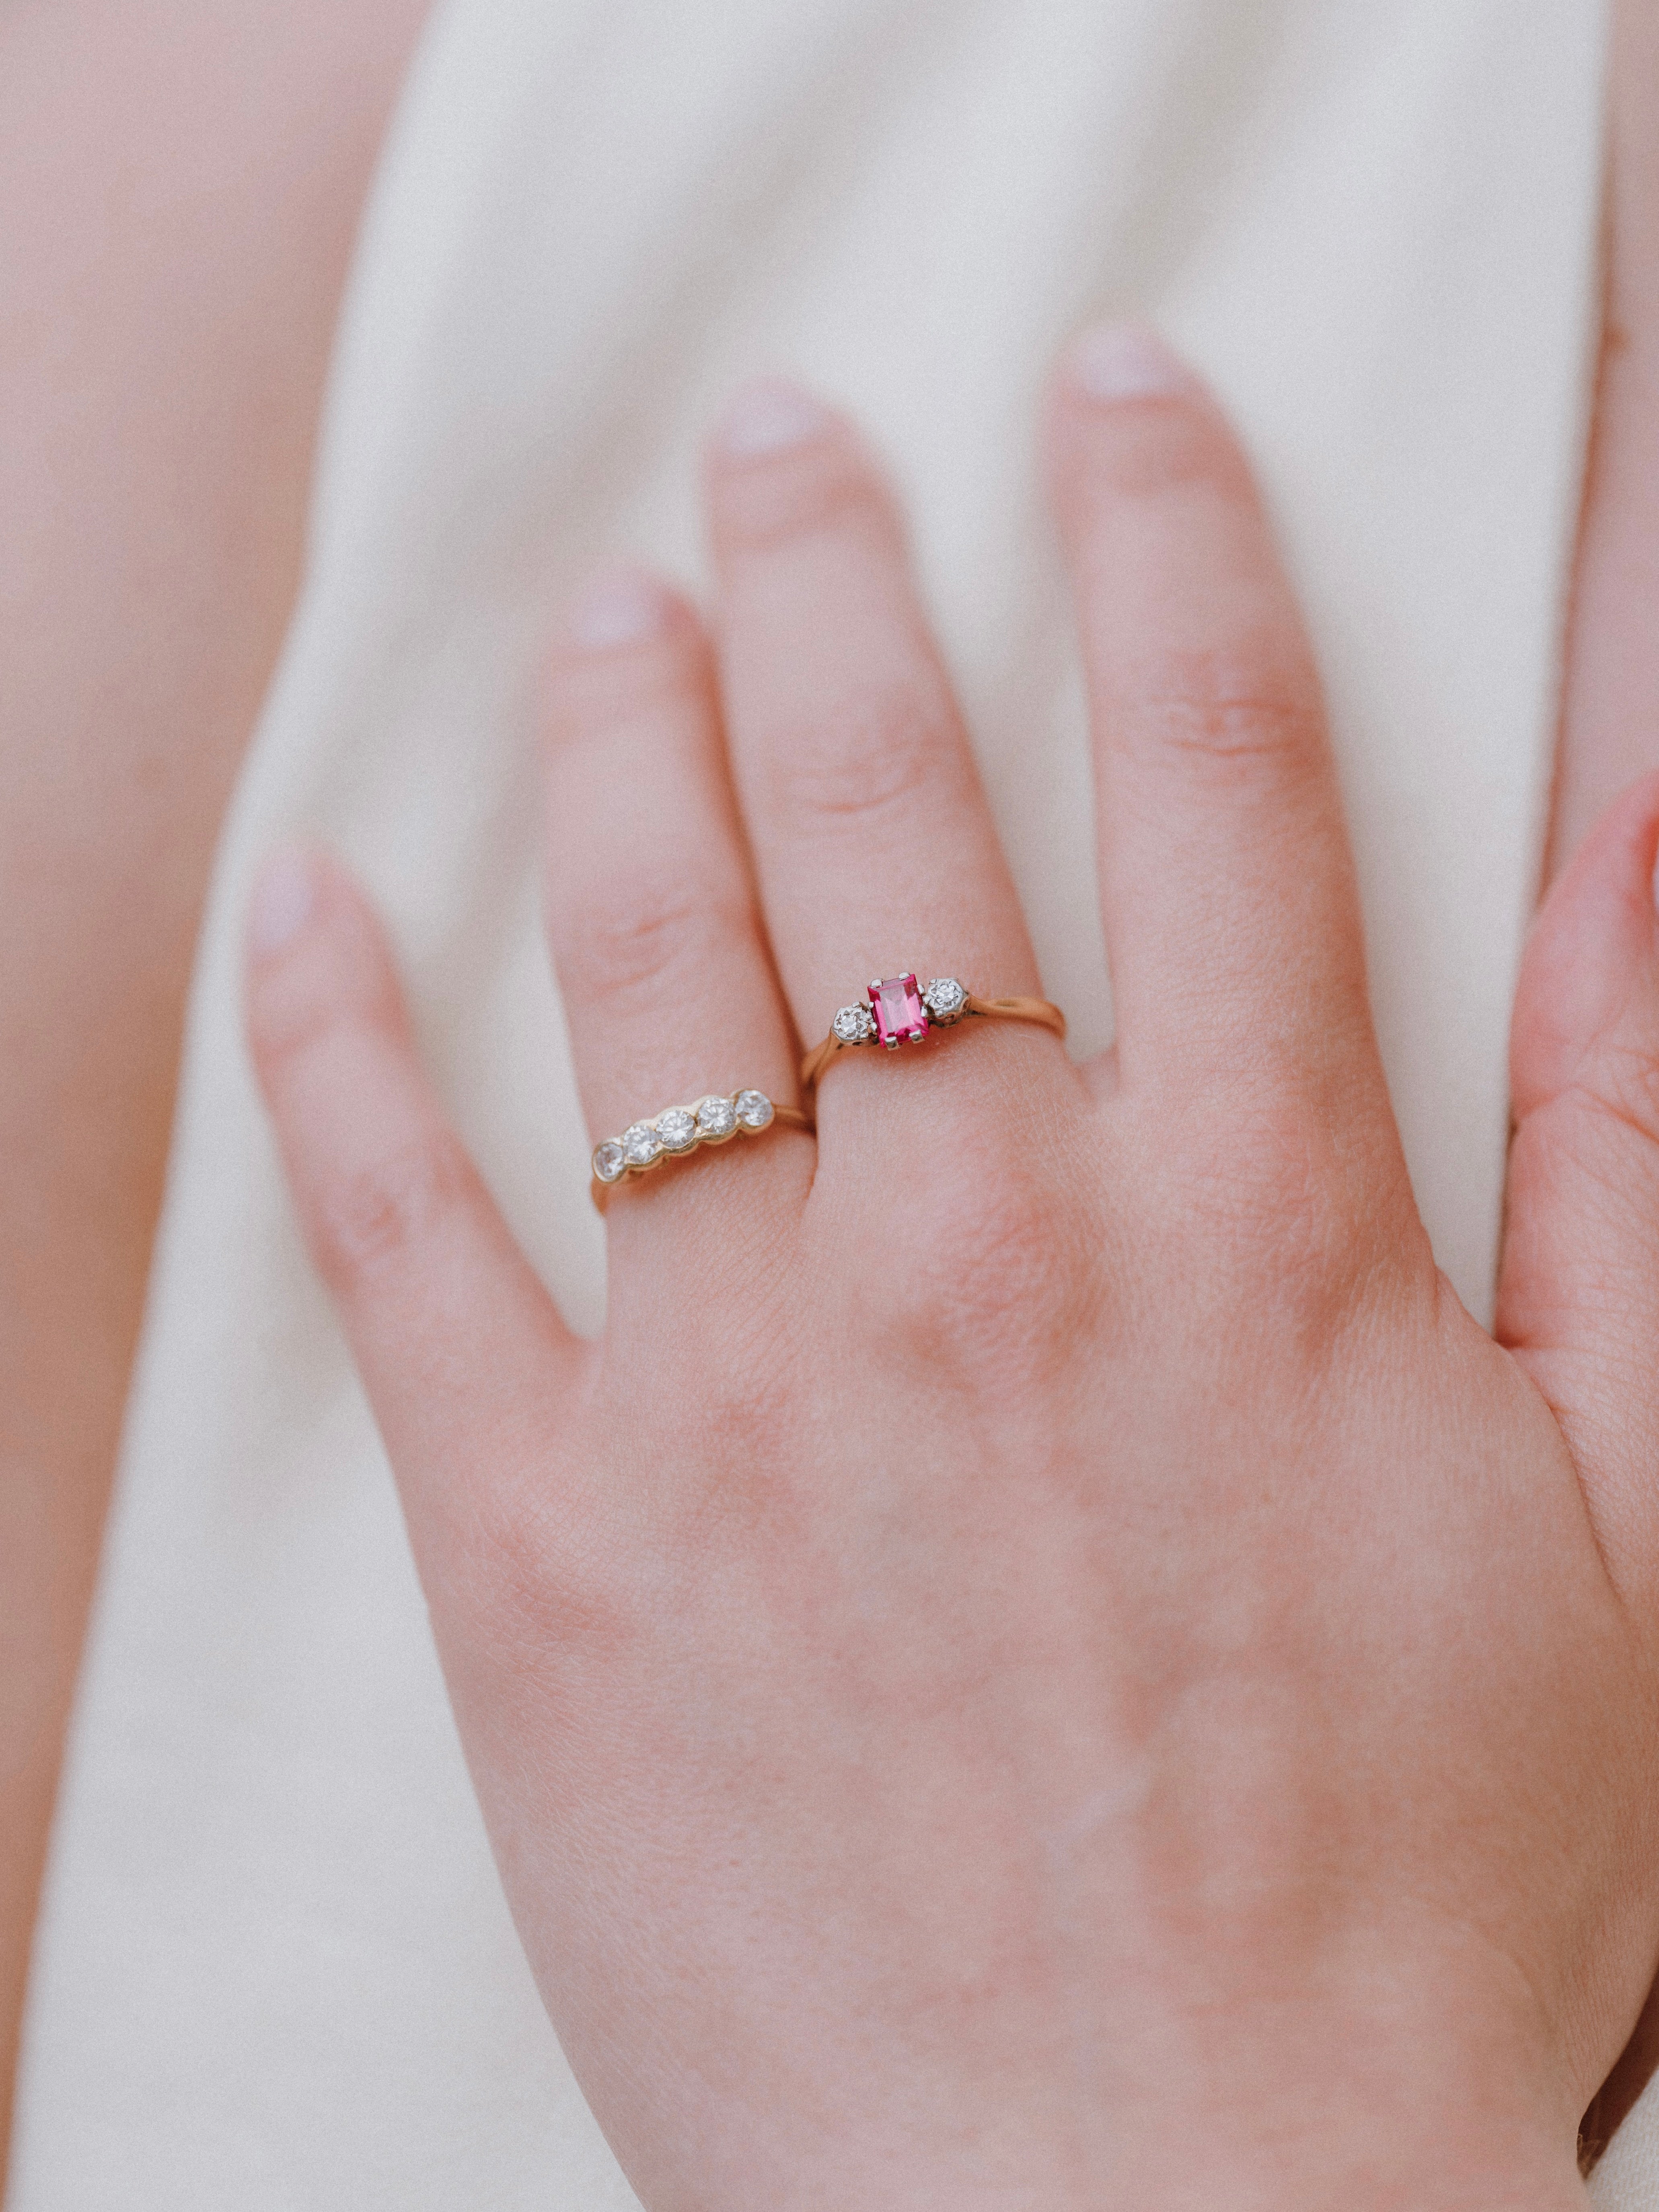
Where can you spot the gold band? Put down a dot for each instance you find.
(679, 1130)
(1043, 1011)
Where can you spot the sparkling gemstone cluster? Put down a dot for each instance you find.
(896, 1012)
(681, 1129)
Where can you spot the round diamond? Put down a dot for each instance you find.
(945, 998)
(854, 1024)
(609, 1160)
(641, 1145)
(716, 1117)
(754, 1108)
(677, 1128)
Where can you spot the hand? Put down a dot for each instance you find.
(1045, 1659)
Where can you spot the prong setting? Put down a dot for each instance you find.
(900, 1015)
(945, 999)
(898, 1011)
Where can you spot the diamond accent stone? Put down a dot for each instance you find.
(945, 998)
(677, 1128)
(754, 1108)
(716, 1117)
(609, 1160)
(854, 1025)
(641, 1145)
(900, 1014)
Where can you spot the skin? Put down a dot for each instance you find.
(1141, 1664)
(1610, 707)
(138, 417)
(162, 360)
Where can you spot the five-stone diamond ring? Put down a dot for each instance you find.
(897, 1012)
(683, 1129)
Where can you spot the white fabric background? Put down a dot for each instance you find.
(275, 1970)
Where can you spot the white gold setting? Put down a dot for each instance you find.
(945, 999)
(854, 1024)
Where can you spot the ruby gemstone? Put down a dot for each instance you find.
(896, 1005)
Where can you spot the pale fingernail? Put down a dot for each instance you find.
(1127, 361)
(283, 899)
(624, 608)
(769, 417)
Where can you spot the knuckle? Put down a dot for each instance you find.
(372, 1219)
(1237, 715)
(999, 1274)
(630, 695)
(867, 758)
(1286, 1220)
(1152, 450)
(549, 1572)
(317, 994)
(638, 932)
(827, 484)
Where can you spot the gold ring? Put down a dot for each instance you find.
(680, 1131)
(897, 1013)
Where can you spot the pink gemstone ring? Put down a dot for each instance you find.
(898, 1011)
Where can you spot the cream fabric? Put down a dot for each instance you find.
(275, 1970)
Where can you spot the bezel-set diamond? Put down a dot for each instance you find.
(682, 1129)
(716, 1118)
(854, 1024)
(642, 1144)
(677, 1128)
(946, 998)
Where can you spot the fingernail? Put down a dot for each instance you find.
(1128, 360)
(623, 608)
(769, 417)
(283, 899)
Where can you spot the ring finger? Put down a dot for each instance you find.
(669, 989)
(873, 839)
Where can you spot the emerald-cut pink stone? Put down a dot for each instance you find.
(899, 1013)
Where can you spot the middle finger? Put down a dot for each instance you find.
(873, 839)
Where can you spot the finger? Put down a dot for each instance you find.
(873, 841)
(1227, 884)
(668, 982)
(456, 1342)
(1579, 1292)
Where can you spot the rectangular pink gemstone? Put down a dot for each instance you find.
(898, 1010)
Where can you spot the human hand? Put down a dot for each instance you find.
(1044, 1660)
